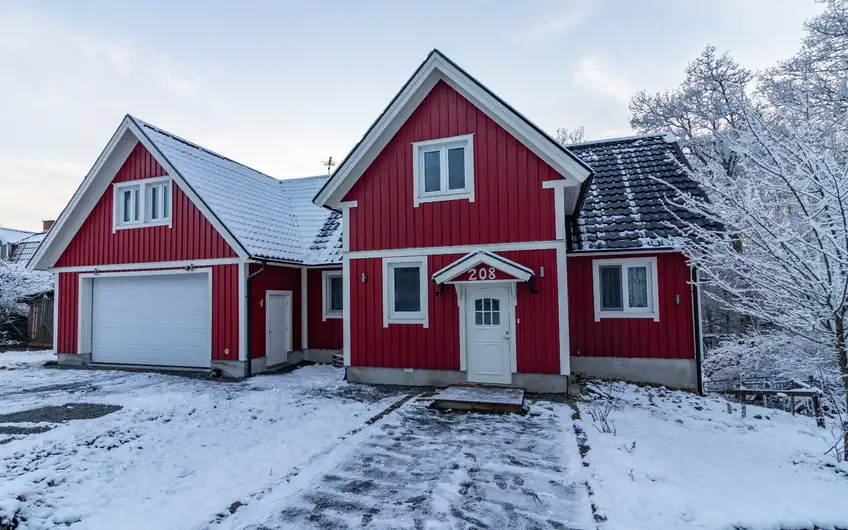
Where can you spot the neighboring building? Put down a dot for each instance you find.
(475, 249)
(8, 238)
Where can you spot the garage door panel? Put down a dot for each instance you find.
(156, 320)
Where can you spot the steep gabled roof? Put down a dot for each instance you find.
(13, 235)
(624, 207)
(259, 216)
(437, 67)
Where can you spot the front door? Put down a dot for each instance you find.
(488, 319)
(278, 327)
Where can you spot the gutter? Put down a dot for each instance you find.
(699, 340)
(247, 367)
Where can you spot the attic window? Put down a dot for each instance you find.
(141, 203)
(443, 169)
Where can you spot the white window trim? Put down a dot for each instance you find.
(325, 295)
(144, 220)
(442, 144)
(653, 310)
(389, 315)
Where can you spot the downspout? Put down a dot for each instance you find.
(247, 367)
(696, 315)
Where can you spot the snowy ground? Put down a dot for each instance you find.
(695, 466)
(284, 451)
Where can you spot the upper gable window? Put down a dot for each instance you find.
(443, 169)
(142, 203)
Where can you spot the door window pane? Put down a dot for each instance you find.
(336, 293)
(487, 312)
(407, 288)
(611, 288)
(637, 287)
(432, 171)
(456, 168)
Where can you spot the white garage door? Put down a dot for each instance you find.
(153, 320)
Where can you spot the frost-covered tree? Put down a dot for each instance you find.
(17, 282)
(706, 104)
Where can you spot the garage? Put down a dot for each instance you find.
(154, 318)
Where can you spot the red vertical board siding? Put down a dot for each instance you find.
(190, 236)
(323, 334)
(273, 278)
(224, 312)
(510, 204)
(670, 338)
(437, 347)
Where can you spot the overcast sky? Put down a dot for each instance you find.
(280, 86)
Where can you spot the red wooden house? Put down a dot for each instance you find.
(474, 248)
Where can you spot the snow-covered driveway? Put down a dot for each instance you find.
(297, 450)
(177, 453)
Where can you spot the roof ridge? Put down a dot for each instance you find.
(668, 137)
(200, 147)
(18, 230)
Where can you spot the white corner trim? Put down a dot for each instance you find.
(346, 305)
(463, 326)
(435, 68)
(304, 308)
(56, 312)
(242, 310)
(389, 315)
(465, 141)
(559, 213)
(325, 295)
(477, 257)
(345, 207)
(562, 306)
(653, 310)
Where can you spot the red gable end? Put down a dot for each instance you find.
(191, 235)
(510, 204)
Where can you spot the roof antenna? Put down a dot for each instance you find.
(329, 163)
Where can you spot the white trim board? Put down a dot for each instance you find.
(150, 265)
(437, 67)
(459, 249)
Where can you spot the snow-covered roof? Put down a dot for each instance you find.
(624, 207)
(25, 248)
(13, 235)
(270, 218)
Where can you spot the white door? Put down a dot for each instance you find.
(278, 327)
(488, 318)
(160, 319)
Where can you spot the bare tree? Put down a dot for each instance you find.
(571, 136)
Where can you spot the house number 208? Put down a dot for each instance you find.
(482, 274)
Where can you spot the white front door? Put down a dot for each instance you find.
(278, 327)
(488, 322)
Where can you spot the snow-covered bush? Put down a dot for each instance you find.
(17, 282)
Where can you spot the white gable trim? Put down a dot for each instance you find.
(463, 264)
(97, 182)
(434, 69)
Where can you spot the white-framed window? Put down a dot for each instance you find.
(405, 299)
(332, 294)
(142, 203)
(443, 169)
(626, 288)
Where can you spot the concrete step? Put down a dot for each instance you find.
(480, 399)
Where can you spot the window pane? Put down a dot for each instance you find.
(456, 168)
(336, 293)
(127, 206)
(487, 319)
(136, 208)
(432, 171)
(478, 317)
(611, 287)
(407, 289)
(637, 286)
(154, 202)
(478, 304)
(496, 304)
(166, 201)
(487, 304)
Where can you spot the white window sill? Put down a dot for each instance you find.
(417, 319)
(166, 222)
(328, 316)
(627, 314)
(467, 195)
